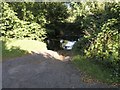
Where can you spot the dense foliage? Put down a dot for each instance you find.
(105, 46)
(56, 14)
(30, 11)
(13, 27)
(96, 23)
(100, 26)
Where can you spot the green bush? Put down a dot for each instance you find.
(81, 45)
(105, 46)
(102, 31)
(104, 49)
(13, 27)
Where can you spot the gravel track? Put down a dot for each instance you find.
(40, 71)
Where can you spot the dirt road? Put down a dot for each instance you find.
(43, 70)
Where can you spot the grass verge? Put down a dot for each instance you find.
(8, 53)
(12, 48)
(94, 71)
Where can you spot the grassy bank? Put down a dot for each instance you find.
(11, 52)
(17, 48)
(94, 71)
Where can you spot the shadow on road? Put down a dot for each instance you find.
(42, 70)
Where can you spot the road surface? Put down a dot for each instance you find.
(43, 70)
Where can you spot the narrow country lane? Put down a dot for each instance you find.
(43, 71)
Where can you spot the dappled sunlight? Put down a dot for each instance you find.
(17, 48)
(49, 36)
(52, 54)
